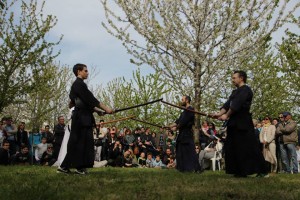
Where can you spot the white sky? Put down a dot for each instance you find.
(86, 41)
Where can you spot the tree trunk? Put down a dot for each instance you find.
(197, 99)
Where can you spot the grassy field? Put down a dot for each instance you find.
(35, 182)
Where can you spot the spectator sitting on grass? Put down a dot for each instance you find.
(47, 158)
(150, 160)
(40, 149)
(157, 163)
(116, 156)
(142, 160)
(129, 139)
(172, 163)
(166, 158)
(135, 153)
(127, 159)
(169, 146)
(23, 157)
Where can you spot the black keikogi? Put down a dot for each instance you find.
(80, 149)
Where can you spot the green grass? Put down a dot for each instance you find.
(35, 182)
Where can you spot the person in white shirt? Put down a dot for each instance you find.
(40, 149)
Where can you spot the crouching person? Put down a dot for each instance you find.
(23, 157)
(48, 158)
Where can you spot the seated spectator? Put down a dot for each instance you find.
(47, 158)
(157, 163)
(209, 152)
(116, 155)
(150, 160)
(154, 140)
(172, 163)
(136, 153)
(167, 156)
(159, 151)
(112, 138)
(161, 138)
(127, 159)
(170, 146)
(4, 153)
(212, 130)
(129, 139)
(40, 149)
(23, 157)
(171, 136)
(142, 160)
(203, 134)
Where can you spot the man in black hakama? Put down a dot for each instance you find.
(80, 148)
(242, 154)
(186, 157)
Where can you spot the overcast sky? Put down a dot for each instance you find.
(86, 41)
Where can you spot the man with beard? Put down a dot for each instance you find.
(80, 148)
(242, 154)
(186, 157)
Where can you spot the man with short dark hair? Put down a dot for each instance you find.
(23, 157)
(80, 149)
(288, 130)
(243, 156)
(59, 132)
(47, 134)
(4, 153)
(186, 156)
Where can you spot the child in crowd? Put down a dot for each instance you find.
(150, 160)
(157, 163)
(142, 160)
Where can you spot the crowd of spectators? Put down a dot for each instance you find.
(142, 147)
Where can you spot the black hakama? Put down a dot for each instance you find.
(186, 157)
(242, 154)
(80, 148)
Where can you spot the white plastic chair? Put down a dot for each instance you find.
(217, 157)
